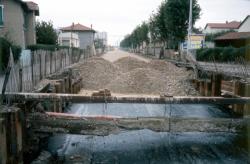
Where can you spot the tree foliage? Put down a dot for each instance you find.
(5, 47)
(168, 25)
(45, 33)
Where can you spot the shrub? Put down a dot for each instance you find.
(50, 47)
(5, 46)
(221, 54)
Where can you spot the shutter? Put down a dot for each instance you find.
(1, 15)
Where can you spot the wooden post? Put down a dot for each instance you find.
(238, 89)
(32, 68)
(247, 106)
(202, 88)
(3, 141)
(216, 85)
(14, 123)
(40, 66)
(208, 88)
(51, 63)
(20, 88)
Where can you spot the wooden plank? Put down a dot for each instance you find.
(77, 98)
(106, 125)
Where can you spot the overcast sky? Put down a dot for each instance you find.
(120, 17)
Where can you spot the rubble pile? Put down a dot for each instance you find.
(129, 75)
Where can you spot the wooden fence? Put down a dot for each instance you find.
(35, 66)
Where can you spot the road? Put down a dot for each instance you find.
(113, 56)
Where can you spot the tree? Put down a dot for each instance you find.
(45, 33)
(177, 19)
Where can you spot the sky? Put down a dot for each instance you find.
(120, 17)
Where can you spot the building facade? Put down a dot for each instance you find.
(212, 28)
(245, 25)
(85, 34)
(17, 21)
(69, 39)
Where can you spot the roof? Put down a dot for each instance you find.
(77, 27)
(227, 25)
(244, 20)
(31, 6)
(234, 36)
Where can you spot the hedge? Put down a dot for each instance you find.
(5, 46)
(50, 47)
(221, 54)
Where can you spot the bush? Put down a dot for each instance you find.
(50, 47)
(221, 54)
(5, 46)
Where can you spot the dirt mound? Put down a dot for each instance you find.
(127, 64)
(131, 76)
(96, 73)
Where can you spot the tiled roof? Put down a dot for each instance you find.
(228, 25)
(32, 6)
(234, 36)
(76, 27)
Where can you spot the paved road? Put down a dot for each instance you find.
(115, 55)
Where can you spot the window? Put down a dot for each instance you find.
(1, 15)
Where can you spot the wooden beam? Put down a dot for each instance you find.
(77, 98)
(106, 125)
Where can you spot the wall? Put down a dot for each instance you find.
(246, 26)
(13, 22)
(71, 38)
(209, 30)
(86, 39)
(30, 31)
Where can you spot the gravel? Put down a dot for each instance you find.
(129, 75)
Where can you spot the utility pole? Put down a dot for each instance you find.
(190, 25)
(190, 31)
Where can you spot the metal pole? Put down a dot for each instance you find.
(190, 25)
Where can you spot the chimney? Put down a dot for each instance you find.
(91, 26)
(226, 22)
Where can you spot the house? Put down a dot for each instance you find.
(212, 28)
(17, 21)
(235, 39)
(86, 35)
(69, 39)
(245, 25)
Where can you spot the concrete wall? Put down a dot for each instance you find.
(30, 30)
(13, 22)
(15, 29)
(246, 26)
(86, 39)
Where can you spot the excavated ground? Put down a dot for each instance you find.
(129, 75)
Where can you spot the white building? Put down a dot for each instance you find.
(212, 28)
(69, 39)
(245, 25)
(103, 36)
(85, 34)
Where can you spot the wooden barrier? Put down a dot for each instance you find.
(77, 98)
(12, 127)
(105, 125)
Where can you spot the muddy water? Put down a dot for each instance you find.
(145, 146)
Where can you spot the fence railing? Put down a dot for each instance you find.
(34, 66)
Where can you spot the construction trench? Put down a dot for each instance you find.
(121, 127)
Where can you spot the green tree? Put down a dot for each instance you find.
(45, 33)
(177, 19)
